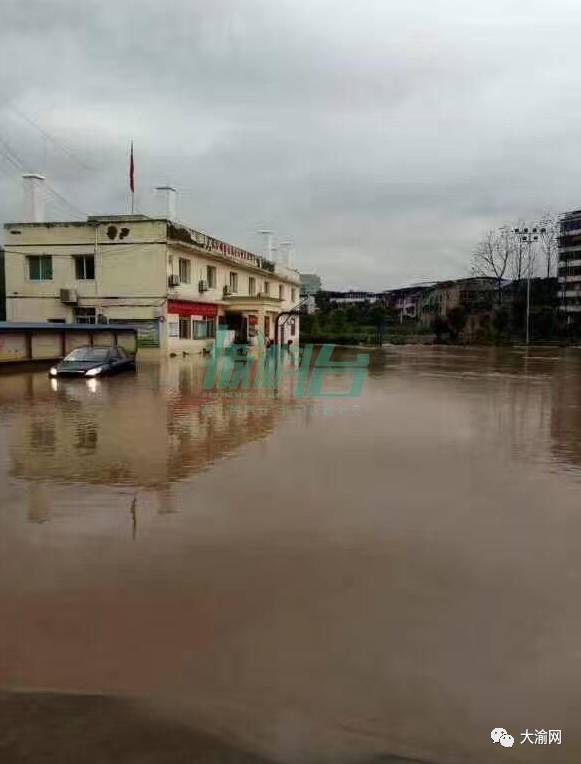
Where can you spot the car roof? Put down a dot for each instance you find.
(95, 347)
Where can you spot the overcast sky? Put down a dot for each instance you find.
(382, 136)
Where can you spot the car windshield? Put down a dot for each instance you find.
(88, 354)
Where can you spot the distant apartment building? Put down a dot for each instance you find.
(408, 301)
(426, 302)
(569, 274)
(476, 296)
(351, 297)
(179, 287)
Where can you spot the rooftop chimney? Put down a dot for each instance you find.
(166, 202)
(267, 243)
(33, 198)
(286, 257)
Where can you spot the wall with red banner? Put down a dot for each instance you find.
(186, 308)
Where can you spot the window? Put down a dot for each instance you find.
(267, 326)
(233, 281)
(211, 276)
(185, 267)
(84, 267)
(87, 353)
(251, 286)
(267, 287)
(185, 328)
(293, 327)
(204, 329)
(85, 315)
(280, 292)
(39, 267)
(293, 294)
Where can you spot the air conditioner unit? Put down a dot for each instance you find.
(203, 286)
(227, 291)
(69, 296)
(174, 280)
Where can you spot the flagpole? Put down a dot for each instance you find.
(132, 179)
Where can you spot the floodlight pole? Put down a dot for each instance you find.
(529, 235)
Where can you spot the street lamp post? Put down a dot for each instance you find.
(529, 236)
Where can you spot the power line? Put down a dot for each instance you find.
(59, 144)
(18, 164)
(51, 189)
(11, 155)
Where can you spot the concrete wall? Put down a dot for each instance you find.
(31, 345)
(13, 347)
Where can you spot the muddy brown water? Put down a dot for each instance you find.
(293, 580)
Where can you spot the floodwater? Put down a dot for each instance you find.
(194, 576)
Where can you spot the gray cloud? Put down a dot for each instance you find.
(382, 137)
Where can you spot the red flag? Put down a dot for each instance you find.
(131, 171)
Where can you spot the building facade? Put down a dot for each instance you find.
(569, 274)
(476, 296)
(2, 288)
(408, 301)
(179, 287)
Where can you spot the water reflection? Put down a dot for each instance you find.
(319, 586)
(146, 432)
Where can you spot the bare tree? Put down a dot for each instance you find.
(518, 256)
(548, 244)
(492, 257)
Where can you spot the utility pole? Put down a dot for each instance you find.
(529, 236)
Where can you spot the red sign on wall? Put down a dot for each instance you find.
(186, 308)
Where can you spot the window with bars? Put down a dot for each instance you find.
(251, 286)
(233, 281)
(85, 315)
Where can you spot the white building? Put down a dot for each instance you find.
(178, 286)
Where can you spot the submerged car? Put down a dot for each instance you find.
(94, 361)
